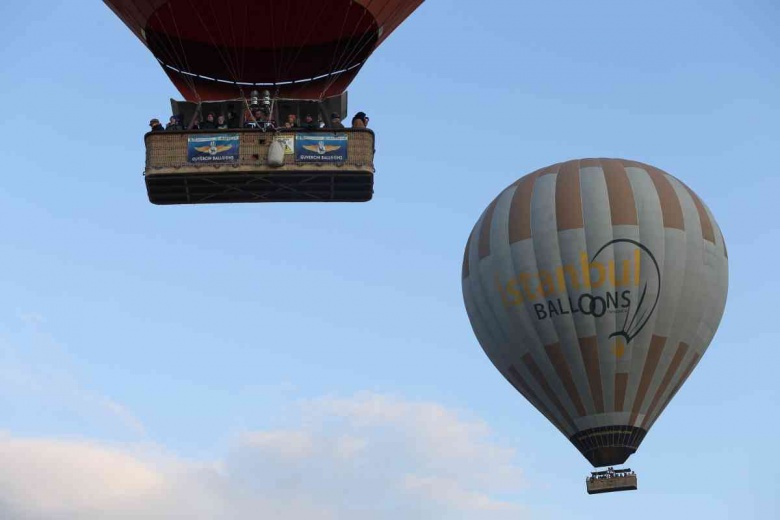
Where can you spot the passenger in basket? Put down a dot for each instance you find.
(221, 123)
(292, 121)
(360, 120)
(173, 124)
(209, 123)
(335, 121)
(232, 120)
(308, 123)
(261, 122)
(156, 126)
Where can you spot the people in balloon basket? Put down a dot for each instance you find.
(174, 124)
(260, 121)
(309, 123)
(257, 120)
(610, 473)
(209, 123)
(360, 120)
(292, 122)
(335, 121)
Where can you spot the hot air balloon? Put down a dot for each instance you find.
(595, 286)
(239, 57)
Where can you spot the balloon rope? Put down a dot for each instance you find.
(273, 40)
(305, 40)
(335, 62)
(365, 39)
(222, 56)
(332, 68)
(180, 62)
(187, 79)
(231, 65)
(169, 51)
(243, 39)
(195, 115)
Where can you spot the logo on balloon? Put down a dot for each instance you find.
(595, 287)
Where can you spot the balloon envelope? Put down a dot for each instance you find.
(595, 287)
(213, 48)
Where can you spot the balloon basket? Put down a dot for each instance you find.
(188, 167)
(611, 480)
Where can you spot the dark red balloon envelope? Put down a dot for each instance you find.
(300, 49)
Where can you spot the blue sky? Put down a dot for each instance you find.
(316, 361)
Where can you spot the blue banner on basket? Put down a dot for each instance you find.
(221, 148)
(320, 147)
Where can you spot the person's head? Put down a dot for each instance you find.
(210, 117)
(220, 119)
(172, 120)
(362, 117)
(308, 118)
(335, 118)
(154, 122)
(291, 118)
(259, 115)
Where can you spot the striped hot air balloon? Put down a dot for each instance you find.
(595, 286)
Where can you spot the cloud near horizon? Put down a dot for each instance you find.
(368, 456)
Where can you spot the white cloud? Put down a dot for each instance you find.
(370, 456)
(120, 412)
(49, 477)
(440, 437)
(37, 373)
(31, 319)
(287, 444)
(349, 447)
(450, 491)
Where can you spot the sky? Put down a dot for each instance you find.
(296, 361)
